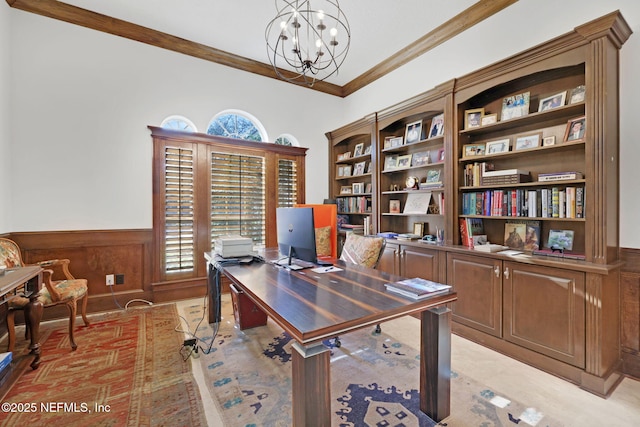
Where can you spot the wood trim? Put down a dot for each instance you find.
(480, 11)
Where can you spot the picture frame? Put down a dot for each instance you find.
(346, 170)
(421, 159)
(498, 146)
(359, 168)
(368, 188)
(560, 240)
(391, 162)
(357, 187)
(413, 132)
(345, 189)
(359, 150)
(473, 118)
(404, 161)
(394, 206)
(367, 150)
(417, 203)
(472, 150)
(577, 94)
(419, 228)
(397, 141)
(340, 171)
(548, 140)
(441, 155)
(553, 101)
(489, 119)
(526, 141)
(344, 156)
(515, 235)
(515, 106)
(576, 129)
(437, 126)
(433, 176)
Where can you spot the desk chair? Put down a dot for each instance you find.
(55, 292)
(365, 251)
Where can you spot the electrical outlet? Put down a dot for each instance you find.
(119, 279)
(110, 280)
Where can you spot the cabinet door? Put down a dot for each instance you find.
(419, 262)
(478, 282)
(544, 310)
(390, 259)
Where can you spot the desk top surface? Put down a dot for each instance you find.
(14, 277)
(314, 306)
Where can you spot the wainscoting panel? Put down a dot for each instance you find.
(630, 312)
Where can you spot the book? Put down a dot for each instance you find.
(503, 172)
(559, 254)
(417, 288)
(559, 176)
(388, 234)
(505, 179)
(5, 361)
(490, 247)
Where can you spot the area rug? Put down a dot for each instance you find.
(374, 381)
(127, 371)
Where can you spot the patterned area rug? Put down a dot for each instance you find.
(374, 381)
(127, 371)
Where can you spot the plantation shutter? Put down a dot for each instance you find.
(179, 209)
(238, 197)
(287, 183)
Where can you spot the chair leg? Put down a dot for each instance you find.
(83, 309)
(72, 318)
(11, 330)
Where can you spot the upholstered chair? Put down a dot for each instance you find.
(55, 292)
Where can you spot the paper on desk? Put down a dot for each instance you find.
(326, 269)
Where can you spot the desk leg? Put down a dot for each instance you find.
(311, 386)
(435, 363)
(33, 315)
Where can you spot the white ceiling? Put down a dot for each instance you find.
(379, 28)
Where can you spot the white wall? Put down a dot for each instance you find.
(5, 110)
(81, 101)
(519, 27)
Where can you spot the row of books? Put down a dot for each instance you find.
(555, 202)
(417, 288)
(359, 204)
(483, 173)
(472, 229)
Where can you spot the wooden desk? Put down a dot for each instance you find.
(312, 307)
(11, 280)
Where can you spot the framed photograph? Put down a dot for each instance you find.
(359, 150)
(345, 189)
(367, 188)
(394, 206)
(397, 141)
(472, 118)
(560, 239)
(417, 203)
(441, 155)
(344, 156)
(575, 130)
(390, 162)
(420, 159)
(531, 140)
(433, 176)
(553, 101)
(358, 168)
(413, 132)
(471, 150)
(489, 119)
(498, 146)
(340, 170)
(419, 228)
(357, 187)
(548, 140)
(515, 106)
(404, 161)
(437, 126)
(346, 170)
(577, 94)
(367, 150)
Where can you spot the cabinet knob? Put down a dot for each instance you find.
(496, 270)
(506, 272)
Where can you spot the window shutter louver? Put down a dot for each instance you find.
(238, 197)
(287, 183)
(178, 216)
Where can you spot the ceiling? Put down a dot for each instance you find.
(384, 34)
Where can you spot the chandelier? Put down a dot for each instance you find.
(310, 41)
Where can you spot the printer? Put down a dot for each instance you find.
(233, 246)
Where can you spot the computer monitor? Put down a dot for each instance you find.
(296, 234)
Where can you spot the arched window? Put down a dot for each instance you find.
(237, 124)
(179, 123)
(286, 139)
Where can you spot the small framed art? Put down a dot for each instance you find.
(404, 161)
(345, 189)
(357, 187)
(575, 129)
(420, 159)
(437, 126)
(413, 132)
(498, 146)
(489, 119)
(515, 106)
(359, 150)
(531, 140)
(441, 155)
(472, 118)
(359, 168)
(394, 206)
(391, 162)
(419, 228)
(548, 140)
(553, 101)
(577, 94)
(392, 141)
(471, 150)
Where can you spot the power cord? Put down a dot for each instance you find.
(126, 306)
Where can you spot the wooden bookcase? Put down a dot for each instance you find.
(560, 314)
